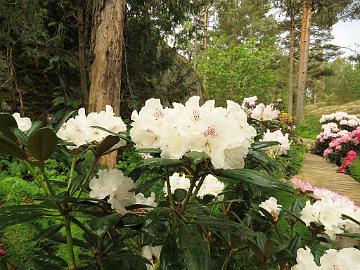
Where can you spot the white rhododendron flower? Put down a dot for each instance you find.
(264, 113)
(271, 206)
(211, 186)
(249, 101)
(141, 199)
(152, 253)
(24, 123)
(116, 185)
(344, 259)
(177, 181)
(305, 260)
(79, 130)
(277, 136)
(223, 134)
(341, 118)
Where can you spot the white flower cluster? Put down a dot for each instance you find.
(328, 211)
(249, 102)
(210, 186)
(272, 207)
(325, 135)
(330, 127)
(342, 118)
(277, 136)
(224, 134)
(24, 123)
(79, 130)
(264, 113)
(344, 259)
(115, 185)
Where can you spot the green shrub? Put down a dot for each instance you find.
(355, 169)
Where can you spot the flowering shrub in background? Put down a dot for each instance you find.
(198, 195)
(339, 140)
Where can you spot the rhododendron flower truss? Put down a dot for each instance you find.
(272, 207)
(222, 133)
(264, 113)
(277, 136)
(24, 123)
(82, 130)
(344, 259)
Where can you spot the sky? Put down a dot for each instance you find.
(347, 34)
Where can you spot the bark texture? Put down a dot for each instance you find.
(107, 50)
(291, 63)
(303, 58)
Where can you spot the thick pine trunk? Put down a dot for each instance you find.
(291, 63)
(107, 45)
(303, 58)
(82, 44)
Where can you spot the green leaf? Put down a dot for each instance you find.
(160, 162)
(196, 157)
(295, 244)
(100, 225)
(35, 126)
(261, 145)
(143, 184)
(125, 261)
(49, 232)
(249, 176)
(45, 263)
(180, 194)
(7, 121)
(194, 248)
(16, 214)
(8, 147)
(168, 253)
(64, 119)
(149, 150)
(350, 235)
(106, 145)
(352, 219)
(42, 143)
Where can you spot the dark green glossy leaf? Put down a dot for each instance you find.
(7, 121)
(249, 176)
(64, 119)
(295, 244)
(160, 162)
(143, 184)
(168, 254)
(46, 263)
(125, 261)
(106, 145)
(261, 145)
(35, 126)
(149, 150)
(8, 147)
(194, 248)
(49, 232)
(42, 143)
(196, 157)
(16, 214)
(100, 225)
(180, 194)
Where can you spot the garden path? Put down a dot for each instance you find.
(317, 171)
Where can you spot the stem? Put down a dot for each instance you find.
(202, 179)
(168, 187)
(188, 194)
(87, 178)
(72, 171)
(36, 179)
(69, 240)
(46, 179)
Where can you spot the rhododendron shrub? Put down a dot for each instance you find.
(197, 196)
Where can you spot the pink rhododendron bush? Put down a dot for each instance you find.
(197, 186)
(339, 140)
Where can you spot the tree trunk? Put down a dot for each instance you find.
(291, 63)
(82, 44)
(205, 26)
(303, 58)
(107, 48)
